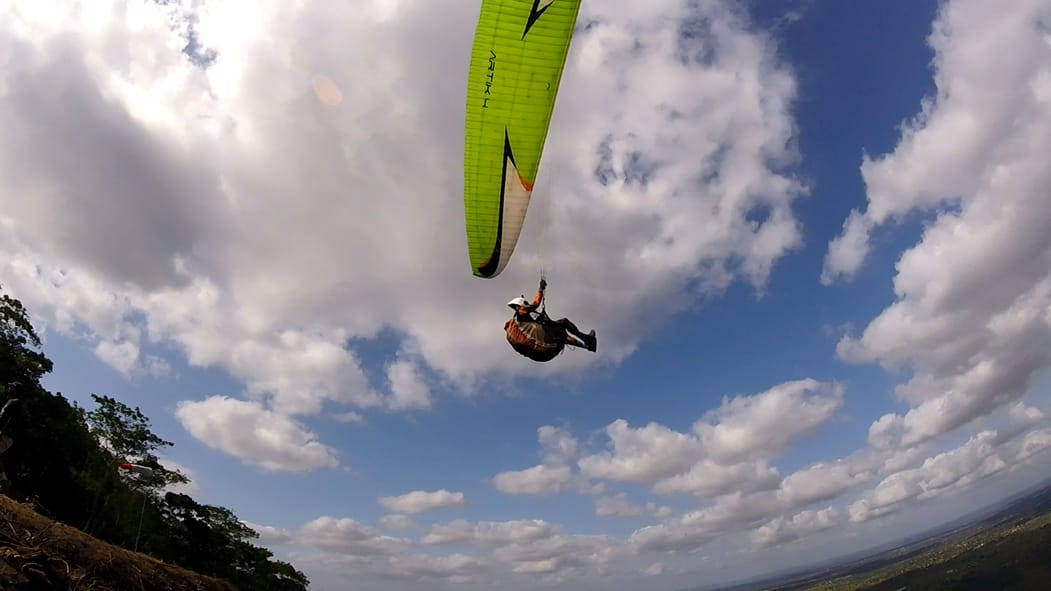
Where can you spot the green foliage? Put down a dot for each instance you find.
(65, 460)
(21, 366)
(203, 533)
(124, 429)
(126, 432)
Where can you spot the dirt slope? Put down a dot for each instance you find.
(38, 554)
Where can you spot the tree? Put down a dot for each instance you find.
(21, 366)
(126, 432)
(66, 459)
(46, 432)
(213, 541)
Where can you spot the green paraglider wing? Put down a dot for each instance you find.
(519, 52)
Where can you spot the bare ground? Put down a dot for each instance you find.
(38, 554)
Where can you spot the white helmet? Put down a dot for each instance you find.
(519, 301)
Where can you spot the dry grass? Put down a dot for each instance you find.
(38, 554)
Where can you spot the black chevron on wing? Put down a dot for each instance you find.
(489, 266)
(534, 14)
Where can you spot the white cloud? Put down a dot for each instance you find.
(616, 506)
(847, 252)
(729, 449)
(823, 482)
(270, 535)
(261, 437)
(659, 511)
(751, 496)
(781, 530)
(419, 501)
(229, 209)
(122, 356)
(643, 454)
(538, 480)
(396, 521)
(558, 449)
(455, 568)
(559, 445)
(348, 537)
(655, 569)
(948, 154)
(708, 478)
(531, 547)
(1034, 443)
(763, 424)
(408, 390)
(491, 533)
(189, 488)
(983, 455)
(227, 213)
(545, 553)
(728, 514)
(348, 417)
(559, 556)
(971, 319)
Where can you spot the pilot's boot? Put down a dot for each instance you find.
(591, 341)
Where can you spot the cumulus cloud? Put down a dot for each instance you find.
(557, 557)
(558, 444)
(729, 514)
(257, 435)
(491, 533)
(761, 425)
(538, 480)
(1034, 443)
(348, 537)
(826, 481)
(782, 530)
(408, 390)
(190, 488)
(984, 454)
(711, 479)
(270, 535)
(200, 198)
(558, 449)
(121, 356)
(767, 511)
(728, 449)
(616, 506)
(454, 568)
(659, 511)
(498, 551)
(971, 316)
(419, 501)
(642, 454)
(202, 194)
(396, 521)
(726, 460)
(741, 491)
(524, 547)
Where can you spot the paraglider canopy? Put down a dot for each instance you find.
(517, 59)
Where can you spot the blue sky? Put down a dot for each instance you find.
(793, 389)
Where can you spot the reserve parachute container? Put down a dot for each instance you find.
(519, 52)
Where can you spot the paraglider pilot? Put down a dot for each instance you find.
(542, 338)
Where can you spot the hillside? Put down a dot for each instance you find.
(1006, 542)
(1008, 557)
(38, 554)
(94, 476)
